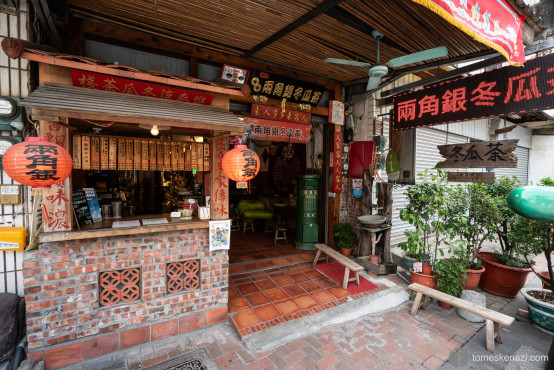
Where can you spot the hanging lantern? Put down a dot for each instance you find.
(240, 164)
(37, 162)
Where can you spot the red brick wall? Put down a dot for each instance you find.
(61, 293)
(350, 207)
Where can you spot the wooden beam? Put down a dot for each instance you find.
(141, 40)
(317, 11)
(75, 41)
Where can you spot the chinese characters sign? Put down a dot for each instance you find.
(485, 154)
(280, 87)
(278, 114)
(494, 23)
(219, 207)
(99, 81)
(337, 162)
(336, 112)
(482, 177)
(499, 92)
(263, 129)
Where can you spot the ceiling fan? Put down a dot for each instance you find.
(377, 71)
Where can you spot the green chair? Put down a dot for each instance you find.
(250, 210)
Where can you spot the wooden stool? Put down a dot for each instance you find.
(235, 225)
(280, 230)
(247, 223)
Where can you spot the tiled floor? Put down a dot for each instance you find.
(271, 284)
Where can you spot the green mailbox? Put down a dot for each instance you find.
(307, 230)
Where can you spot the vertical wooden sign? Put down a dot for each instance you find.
(167, 156)
(188, 157)
(193, 156)
(337, 162)
(86, 152)
(76, 152)
(160, 155)
(200, 156)
(145, 164)
(174, 156)
(180, 156)
(152, 152)
(57, 212)
(113, 154)
(129, 154)
(121, 154)
(206, 157)
(94, 163)
(104, 153)
(137, 160)
(219, 192)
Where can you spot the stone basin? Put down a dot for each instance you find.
(372, 220)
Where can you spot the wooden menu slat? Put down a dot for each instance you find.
(113, 154)
(152, 152)
(194, 156)
(167, 156)
(85, 158)
(104, 153)
(188, 157)
(129, 154)
(76, 152)
(121, 154)
(160, 155)
(200, 156)
(94, 153)
(137, 160)
(145, 164)
(206, 157)
(180, 156)
(174, 156)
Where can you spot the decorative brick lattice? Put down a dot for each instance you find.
(183, 276)
(119, 286)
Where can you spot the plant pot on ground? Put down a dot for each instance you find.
(346, 235)
(473, 278)
(540, 304)
(499, 279)
(546, 282)
(427, 280)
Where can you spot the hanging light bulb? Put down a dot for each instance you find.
(154, 131)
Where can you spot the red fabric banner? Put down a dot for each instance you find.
(263, 129)
(99, 81)
(278, 114)
(337, 162)
(494, 23)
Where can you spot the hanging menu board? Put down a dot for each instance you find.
(167, 156)
(85, 155)
(160, 155)
(121, 157)
(181, 156)
(129, 154)
(200, 156)
(94, 152)
(174, 156)
(188, 157)
(113, 154)
(80, 205)
(144, 154)
(137, 159)
(76, 152)
(206, 157)
(194, 157)
(104, 153)
(152, 151)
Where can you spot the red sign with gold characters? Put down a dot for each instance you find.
(337, 163)
(263, 129)
(99, 81)
(279, 114)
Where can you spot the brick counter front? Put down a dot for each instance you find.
(66, 322)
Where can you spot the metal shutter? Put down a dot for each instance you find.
(521, 171)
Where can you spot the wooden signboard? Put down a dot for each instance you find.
(152, 151)
(337, 162)
(160, 155)
(104, 153)
(483, 177)
(174, 156)
(145, 164)
(188, 157)
(194, 156)
(200, 156)
(180, 156)
(121, 154)
(137, 159)
(113, 154)
(484, 154)
(94, 145)
(86, 155)
(76, 152)
(167, 156)
(206, 157)
(129, 154)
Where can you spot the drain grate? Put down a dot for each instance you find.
(199, 359)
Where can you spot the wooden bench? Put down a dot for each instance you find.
(345, 261)
(493, 318)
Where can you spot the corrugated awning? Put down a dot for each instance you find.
(53, 100)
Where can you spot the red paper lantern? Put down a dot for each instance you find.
(240, 164)
(37, 162)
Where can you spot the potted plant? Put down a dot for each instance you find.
(346, 235)
(427, 206)
(450, 275)
(505, 270)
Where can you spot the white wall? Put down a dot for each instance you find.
(541, 158)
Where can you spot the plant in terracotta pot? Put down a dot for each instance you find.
(450, 275)
(427, 206)
(505, 270)
(346, 235)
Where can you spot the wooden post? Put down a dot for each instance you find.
(367, 201)
(385, 203)
(334, 203)
(219, 188)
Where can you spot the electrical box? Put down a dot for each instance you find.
(10, 194)
(12, 238)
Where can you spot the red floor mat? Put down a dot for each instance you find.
(335, 272)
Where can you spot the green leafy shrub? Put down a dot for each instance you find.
(346, 234)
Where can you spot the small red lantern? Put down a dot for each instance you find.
(37, 162)
(240, 164)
